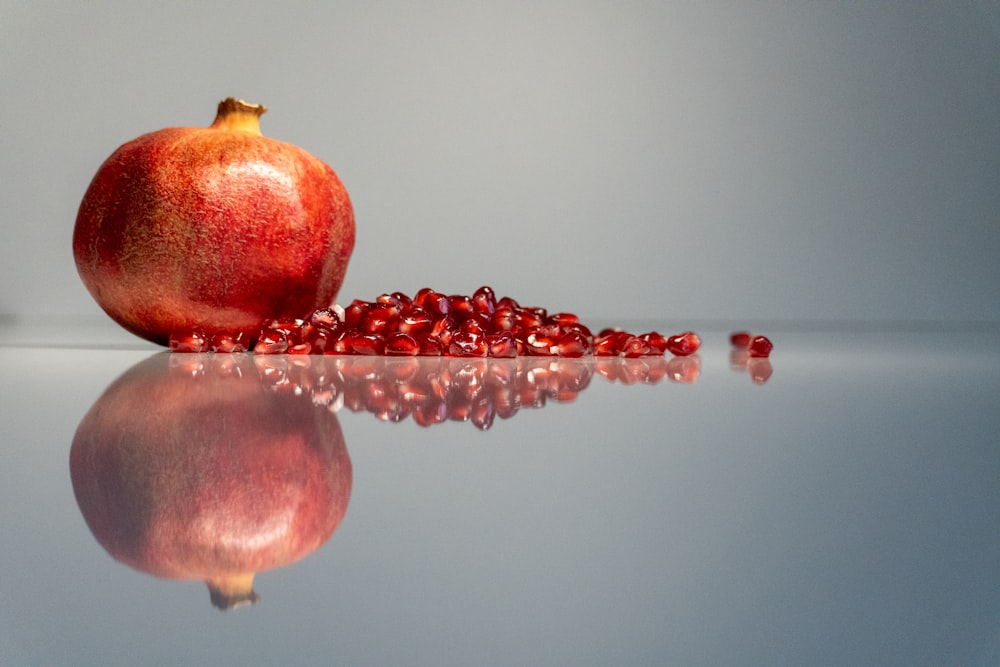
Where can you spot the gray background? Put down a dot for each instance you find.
(615, 159)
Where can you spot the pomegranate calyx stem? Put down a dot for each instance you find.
(231, 591)
(238, 115)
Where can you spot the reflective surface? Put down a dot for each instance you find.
(841, 506)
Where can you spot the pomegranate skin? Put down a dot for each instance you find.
(217, 229)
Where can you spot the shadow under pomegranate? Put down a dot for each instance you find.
(196, 469)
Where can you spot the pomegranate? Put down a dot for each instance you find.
(212, 229)
(197, 467)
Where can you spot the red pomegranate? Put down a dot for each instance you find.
(215, 229)
(212, 476)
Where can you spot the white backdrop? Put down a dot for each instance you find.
(672, 160)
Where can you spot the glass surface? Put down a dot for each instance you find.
(840, 507)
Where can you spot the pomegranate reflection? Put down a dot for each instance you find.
(217, 466)
(198, 470)
(435, 390)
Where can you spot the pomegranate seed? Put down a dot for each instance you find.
(468, 344)
(433, 302)
(501, 344)
(367, 344)
(379, 319)
(484, 300)
(633, 346)
(562, 319)
(539, 342)
(430, 346)
(460, 306)
(573, 344)
(504, 318)
(415, 320)
(657, 342)
(760, 346)
(229, 342)
(354, 312)
(527, 318)
(325, 319)
(683, 344)
(606, 345)
(271, 341)
(401, 344)
(740, 338)
(477, 323)
(191, 341)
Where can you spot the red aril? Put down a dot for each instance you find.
(229, 343)
(760, 346)
(191, 341)
(683, 344)
(401, 344)
(740, 338)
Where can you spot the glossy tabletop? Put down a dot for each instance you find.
(839, 505)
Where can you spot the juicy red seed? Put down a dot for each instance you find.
(478, 323)
(380, 319)
(504, 318)
(192, 341)
(537, 343)
(325, 318)
(683, 344)
(321, 342)
(760, 346)
(354, 312)
(501, 344)
(484, 300)
(300, 348)
(634, 346)
(606, 346)
(527, 319)
(229, 342)
(415, 320)
(657, 342)
(468, 344)
(433, 302)
(460, 306)
(401, 300)
(573, 344)
(576, 326)
(401, 344)
(740, 338)
(508, 302)
(271, 341)
(365, 343)
(562, 319)
(429, 345)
